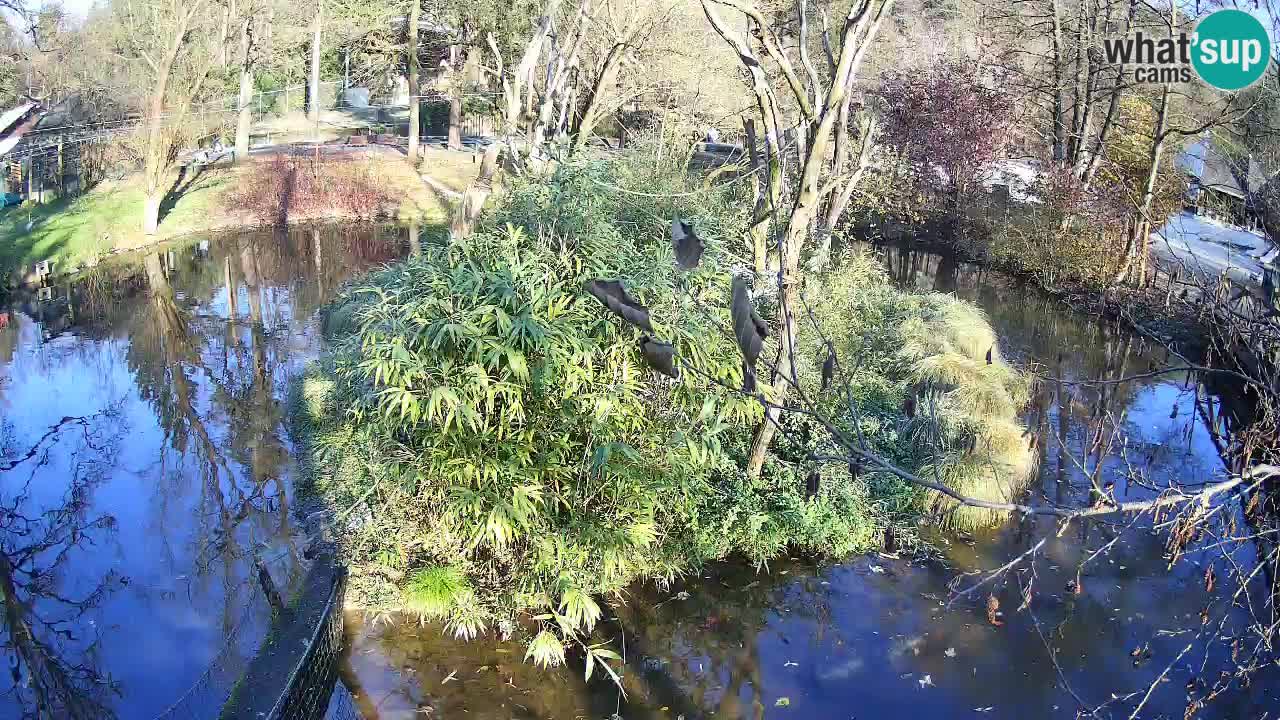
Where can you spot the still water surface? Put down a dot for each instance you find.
(132, 530)
(135, 523)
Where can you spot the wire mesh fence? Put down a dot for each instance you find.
(207, 694)
(310, 690)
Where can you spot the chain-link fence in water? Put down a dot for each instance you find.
(310, 687)
(292, 676)
(342, 706)
(207, 694)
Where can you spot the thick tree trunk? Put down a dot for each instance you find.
(415, 101)
(151, 211)
(156, 158)
(245, 117)
(313, 110)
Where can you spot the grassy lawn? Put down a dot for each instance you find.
(455, 170)
(109, 217)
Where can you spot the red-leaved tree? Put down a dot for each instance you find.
(945, 123)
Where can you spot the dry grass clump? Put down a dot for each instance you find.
(968, 399)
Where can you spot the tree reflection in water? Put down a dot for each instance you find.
(48, 643)
(195, 343)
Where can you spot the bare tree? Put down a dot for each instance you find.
(313, 108)
(249, 52)
(178, 55)
(821, 122)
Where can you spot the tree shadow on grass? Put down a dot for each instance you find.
(192, 176)
(447, 198)
(21, 247)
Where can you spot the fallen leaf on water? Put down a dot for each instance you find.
(782, 701)
(993, 610)
(451, 676)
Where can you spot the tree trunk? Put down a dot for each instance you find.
(516, 103)
(473, 200)
(1080, 97)
(607, 78)
(786, 369)
(313, 110)
(759, 229)
(797, 233)
(455, 120)
(1059, 104)
(1113, 105)
(227, 11)
(151, 211)
(808, 199)
(415, 101)
(156, 158)
(1136, 245)
(245, 117)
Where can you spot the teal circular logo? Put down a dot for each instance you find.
(1231, 49)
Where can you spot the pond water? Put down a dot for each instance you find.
(153, 392)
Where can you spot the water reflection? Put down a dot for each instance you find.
(178, 360)
(48, 648)
(873, 637)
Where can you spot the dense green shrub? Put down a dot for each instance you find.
(899, 348)
(498, 448)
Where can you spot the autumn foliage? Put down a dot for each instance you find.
(945, 123)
